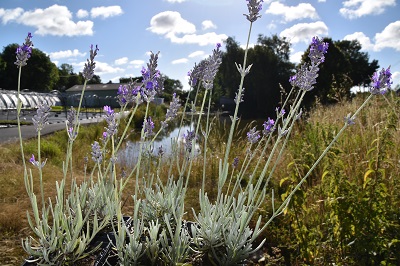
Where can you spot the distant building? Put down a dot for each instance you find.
(97, 95)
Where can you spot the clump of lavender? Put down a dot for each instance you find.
(211, 67)
(42, 116)
(306, 76)
(123, 94)
(88, 70)
(112, 124)
(254, 7)
(381, 82)
(97, 155)
(24, 52)
(253, 135)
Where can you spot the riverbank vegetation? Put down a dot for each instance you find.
(348, 211)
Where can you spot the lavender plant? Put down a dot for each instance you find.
(157, 233)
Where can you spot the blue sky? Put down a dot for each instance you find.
(186, 31)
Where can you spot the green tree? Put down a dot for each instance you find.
(271, 70)
(39, 75)
(345, 66)
(68, 78)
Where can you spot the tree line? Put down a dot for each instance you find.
(267, 83)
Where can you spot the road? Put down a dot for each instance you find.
(56, 122)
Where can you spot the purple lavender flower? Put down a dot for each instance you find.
(152, 80)
(88, 70)
(211, 67)
(197, 73)
(381, 82)
(172, 111)
(253, 135)
(42, 116)
(306, 76)
(235, 162)
(148, 126)
(161, 151)
(188, 139)
(318, 49)
(268, 126)
(241, 96)
(24, 52)
(33, 161)
(97, 155)
(111, 120)
(349, 119)
(123, 94)
(254, 7)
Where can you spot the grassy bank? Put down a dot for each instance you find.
(348, 210)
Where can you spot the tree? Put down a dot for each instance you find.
(271, 70)
(39, 75)
(344, 67)
(68, 78)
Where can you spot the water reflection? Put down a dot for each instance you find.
(129, 154)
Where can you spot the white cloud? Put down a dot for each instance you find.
(357, 8)
(121, 61)
(364, 40)
(54, 20)
(7, 15)
(290, 13)
(321, 1)
(210, 38)
(172, 26)
(208, 24)
(104, 68)
(296, 57)
(137, 63)
(303, 32)
(396, 78)
(389, 37)
(170, 22)
(65, 54)
(197, 54)
(175, 1)
(82, 13)
(180, 61)
(106, 11)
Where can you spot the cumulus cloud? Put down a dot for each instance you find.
(137, 63)
(295, 57)
(389, 37)
(178, 30)
(104, 68)
(121, 61)
(170, 22)
(364, 40)
(7, 15)
(197, 54)
(82, 13)
(180, 61)
(210, 38)
(290, 13)
(54, 20)
(106, 11)
(65, 54)
(303, 32)
(358, 8)
(208, 24)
